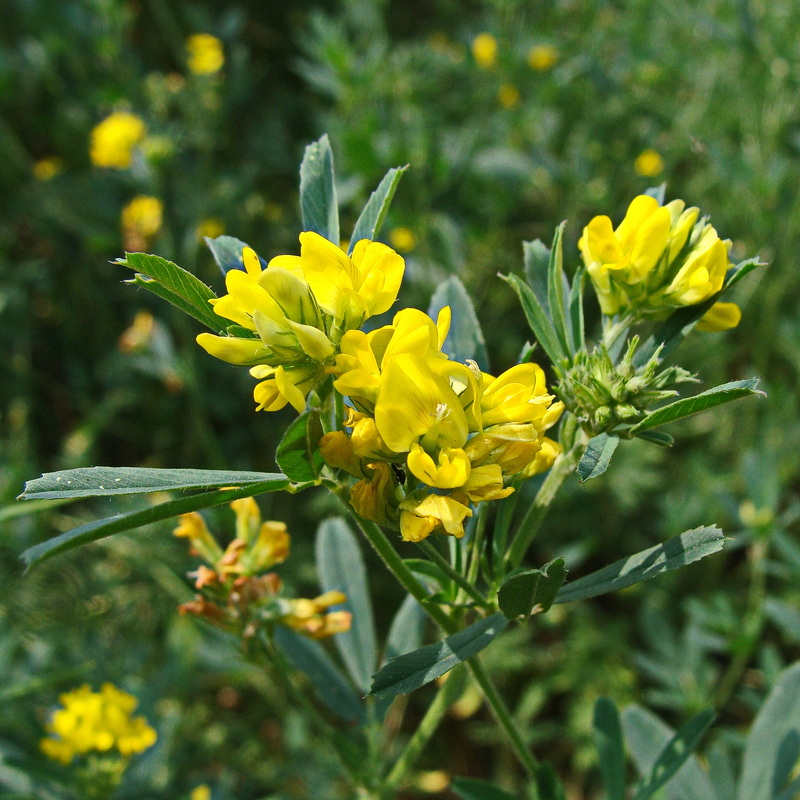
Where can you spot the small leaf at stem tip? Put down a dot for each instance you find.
(298, 453)
(370, 221)
(318, 203)
(465, 338)
(597, 456)
(531, 591)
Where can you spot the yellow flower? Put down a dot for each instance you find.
(419, 518)
(47, 168)
(450, 471)
(404, 240)
(114, 138)
(659, 257)
(201, 792)
(142, 216)
(96, 722)
(309, 617)
(508, 95)
(211, 228)
(649, 163)
(206, 55)
(374, 498)
(484, 50)
(193, 527)
(720, 317)
(542, 57)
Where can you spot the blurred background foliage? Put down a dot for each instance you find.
(513, 116)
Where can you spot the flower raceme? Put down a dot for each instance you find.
(428, 436)
(657, 259)
(290, 315)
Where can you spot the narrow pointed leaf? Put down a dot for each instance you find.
(370, 221)
(735, 274)
(576, 310)
(773, 745)
(412, 670)
(465, 339)
(674, 756)
(548, 786)
(474, 789)
(597, 456)
(700, 402)
(533, 590)
(556, 295)
(684, 549)
(318, 205)
(101, 481)
(176, 285)
(537, 319)
(227, 252)
(332, 688)
(340, 567)
(657, 192)
(656, 437)
(100, 529)
(298, 453)
(607, 731)
(536, 255)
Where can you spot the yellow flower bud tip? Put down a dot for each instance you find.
(484, 50)
(720, 317)
(113, 140)
(248, 518)
(332, 598)
(649, 163)
(251, 261)
(205, 54)
(542, 57)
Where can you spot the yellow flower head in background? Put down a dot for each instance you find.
(46, 169)
(542, 57)
(484, 50)
(508, 96)
(404, 240)
(657, 259)
(113, 140)
(143, 215)
(649, 163)
(211, 228)
(206, 55)
(96, 722)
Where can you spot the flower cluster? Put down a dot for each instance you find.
(96, 722)
(658, 258)
(236, 591)
(291, 314)
(114, 139)
(428, 436)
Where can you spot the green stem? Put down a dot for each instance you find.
(477, 545)
(445, 697)
(751, 624)
(451, 573)
(563, 467)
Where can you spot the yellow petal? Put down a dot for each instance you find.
(243, 352)
(720, 317)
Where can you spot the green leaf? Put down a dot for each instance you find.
(298, 453)
(597, 456)
(536, 256)
(537, 319)
(371, 219)
(700, 402)
(427, 569)
(99, 529)
(474, 789)
(772, 748)
(576, 315)
(176, 285)
(318, 204)
(548, 785)
(101, 481)
(341, 568)
(406, 630)
(532, 590)
(332, 688)
(665, 758)
(465, 339)
(555, 291)
(735, 274)
(412, 670)
(657, 437)
(685, 549)
(227, 252)
(607, 732)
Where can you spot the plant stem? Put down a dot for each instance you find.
(477, 545)
(451, 573)
(563, 467)
(445, 697)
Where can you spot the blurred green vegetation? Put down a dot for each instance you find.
(499, 153)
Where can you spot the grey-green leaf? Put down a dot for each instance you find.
(99, 529)
(340, 566)
(465, 339)
(371, 219)
(665, 758)
(677, 552)
(298, 453)
(330, 685)
(773, 746)
(533, 590)
(406, 630)
(597, 456)
(408, 672)
(101, 481)
(700, 402)
(318, 205)
(607, 731)
(474, 789)
(557, 291)
(175, 285)
(227, 252)
(536, 255)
